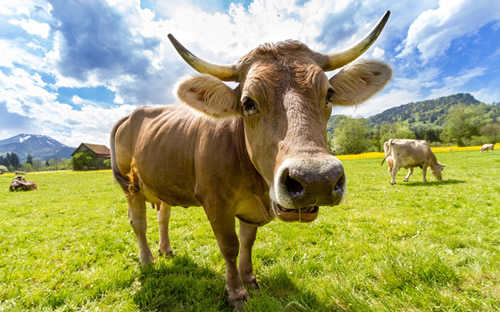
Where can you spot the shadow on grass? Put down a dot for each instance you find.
(180, 284)
(279, 293)
(183, 285)
(432, 183)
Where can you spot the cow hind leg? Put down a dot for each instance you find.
(137, 216)
(248, 233)
(163, 221)
(393, 174)
(410, 172)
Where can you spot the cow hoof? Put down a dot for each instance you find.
(146, 258)
(406, 180)
(392, 183)
(252, 283)
(237, 299)
(146, 261)
(166, 254)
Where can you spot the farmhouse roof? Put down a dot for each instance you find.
(98, 149)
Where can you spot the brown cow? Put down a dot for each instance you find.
(19, 183)
(407, 153)
(487, 147)
(253, 152)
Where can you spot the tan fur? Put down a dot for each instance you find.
(209, 95)
(229, 164)
(357, 82)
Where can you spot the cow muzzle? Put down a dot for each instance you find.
(302, 185)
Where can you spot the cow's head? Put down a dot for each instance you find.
(437, 170)
(285, 99)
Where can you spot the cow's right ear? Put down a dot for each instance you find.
(209, 95)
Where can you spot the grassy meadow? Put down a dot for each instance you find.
(407, 247)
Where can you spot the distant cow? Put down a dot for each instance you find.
(406, 153)
(19, 183)
(487, 147)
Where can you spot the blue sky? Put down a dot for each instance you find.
(70, 69)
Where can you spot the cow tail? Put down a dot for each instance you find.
(388, 152)
(124, 181)
(384, 159)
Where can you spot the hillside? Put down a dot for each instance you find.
(430, 111)
(39, 146)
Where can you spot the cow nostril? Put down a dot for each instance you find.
(293, 187)
(339, 187)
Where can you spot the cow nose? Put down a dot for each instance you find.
(293, 187)
(311, 182)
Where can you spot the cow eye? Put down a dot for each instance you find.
(329, 95)
(249, 106)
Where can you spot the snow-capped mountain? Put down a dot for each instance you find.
(39, 146)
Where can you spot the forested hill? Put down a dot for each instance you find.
(430, 111)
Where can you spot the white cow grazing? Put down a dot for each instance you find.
(487, 147)
(406, 153)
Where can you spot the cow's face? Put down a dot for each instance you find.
(437, 171)
(285, 100)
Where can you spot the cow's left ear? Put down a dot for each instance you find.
(357, 82)
(209, 95)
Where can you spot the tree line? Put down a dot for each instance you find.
(12, 162)
(463, 125)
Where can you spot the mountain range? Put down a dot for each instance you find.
(39, 146)
(430, 112)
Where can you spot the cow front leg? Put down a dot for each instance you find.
(224, 230)
(410, 172)
(163, 221)
(424, 172)
(137, 216)
(248, 232)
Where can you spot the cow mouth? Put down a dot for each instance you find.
(304, 214)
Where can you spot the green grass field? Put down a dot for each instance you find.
(408, 247)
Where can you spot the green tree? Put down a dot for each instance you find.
(37, 164)
(462, 122)
(491, 131)
(13, 160)
(394, 131)
(82, 160)
(27, 167)
(350, 136)
(29, 159)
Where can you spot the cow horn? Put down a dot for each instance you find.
(223, 72)
(339, 59)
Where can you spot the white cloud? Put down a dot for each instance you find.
(381, 102)
(487, 95)
(33, 27)
(25, 94)
(76, 99)
(433, 30)
(13, 52)
(455, 84)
